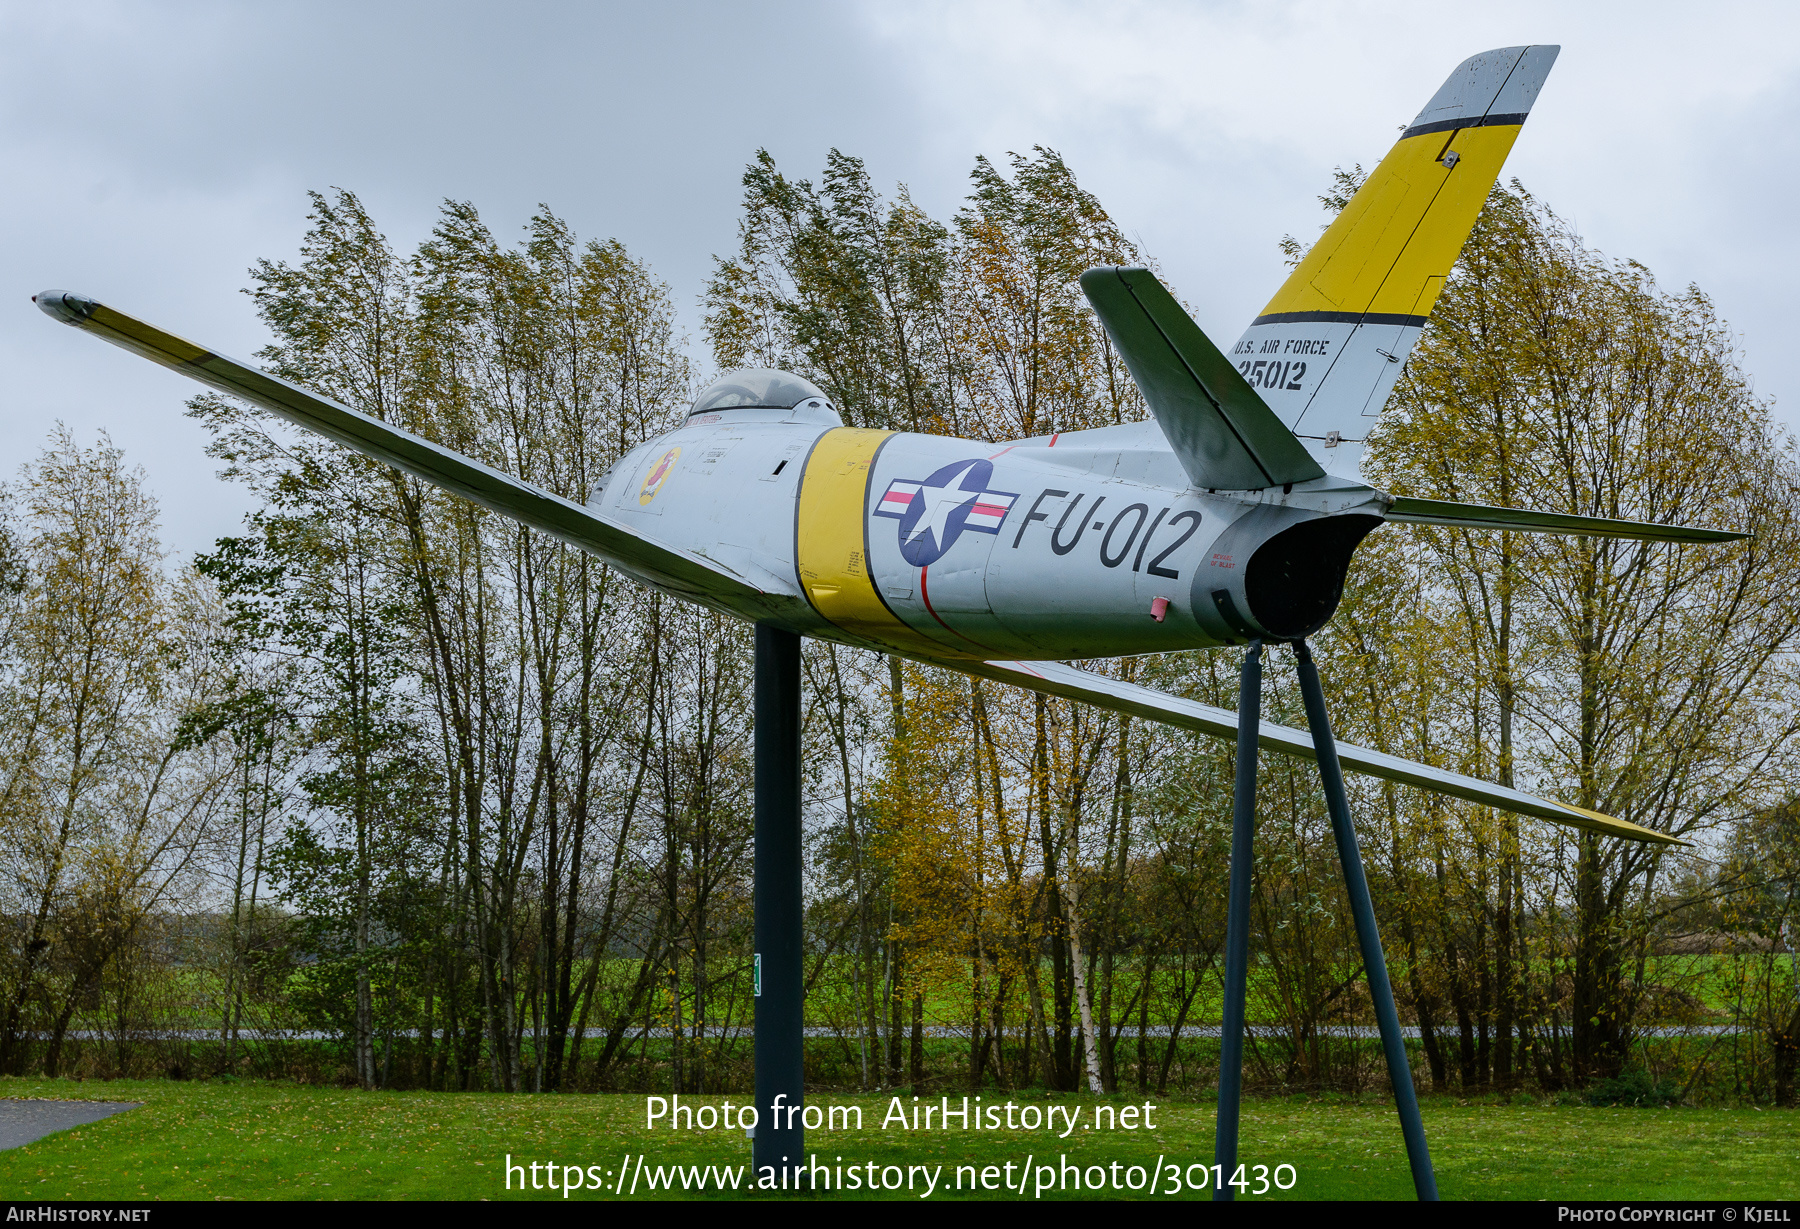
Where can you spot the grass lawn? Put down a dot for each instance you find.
(205, 1140)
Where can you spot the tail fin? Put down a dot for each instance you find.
(1327, 349)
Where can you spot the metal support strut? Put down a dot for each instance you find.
(780, 1078)
(1237, 925)
(1331, 776)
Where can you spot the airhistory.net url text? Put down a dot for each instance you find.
(1029, 1179)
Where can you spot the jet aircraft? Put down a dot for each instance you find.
(1230, 518)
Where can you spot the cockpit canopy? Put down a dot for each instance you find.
(762, 388)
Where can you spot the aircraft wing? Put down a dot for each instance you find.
(1054, 678)
(1226, 436)
(1480, 516)
(684, 571)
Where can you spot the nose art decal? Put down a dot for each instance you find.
(935, 512)
(659, 474)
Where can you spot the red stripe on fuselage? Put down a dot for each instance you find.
(925, 596)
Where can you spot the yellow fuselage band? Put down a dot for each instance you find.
(831, 539)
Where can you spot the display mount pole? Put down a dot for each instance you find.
(1237, 925)
(1337, 803)
(780, 1138)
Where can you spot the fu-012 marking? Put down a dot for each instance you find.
(1112, 552)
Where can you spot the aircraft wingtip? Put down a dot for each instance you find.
(64, 305)
(1612, 825)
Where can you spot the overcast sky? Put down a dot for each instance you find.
(152, 152)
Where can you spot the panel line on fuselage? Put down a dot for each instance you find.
(925, 597)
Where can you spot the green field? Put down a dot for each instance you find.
(245, 1140)
(1712, 983)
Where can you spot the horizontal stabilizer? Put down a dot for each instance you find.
(1054, 678)
(1225, 436)
(582, 527)
(1479, 516)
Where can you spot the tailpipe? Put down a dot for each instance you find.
(1277, 573)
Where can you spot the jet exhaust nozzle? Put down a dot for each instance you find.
(1277, 574)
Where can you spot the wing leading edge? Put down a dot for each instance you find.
(1480, 516)
(1054, 678)
(691, 574)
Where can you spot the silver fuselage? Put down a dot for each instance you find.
(1041, 550)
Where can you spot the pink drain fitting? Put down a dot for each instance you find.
(1158, 608)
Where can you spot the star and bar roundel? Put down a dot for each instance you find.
(935, 511)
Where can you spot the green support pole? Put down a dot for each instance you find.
(1337, 803)
(780, 979)
(1237, 925)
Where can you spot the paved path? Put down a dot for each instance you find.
(22, 1122)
